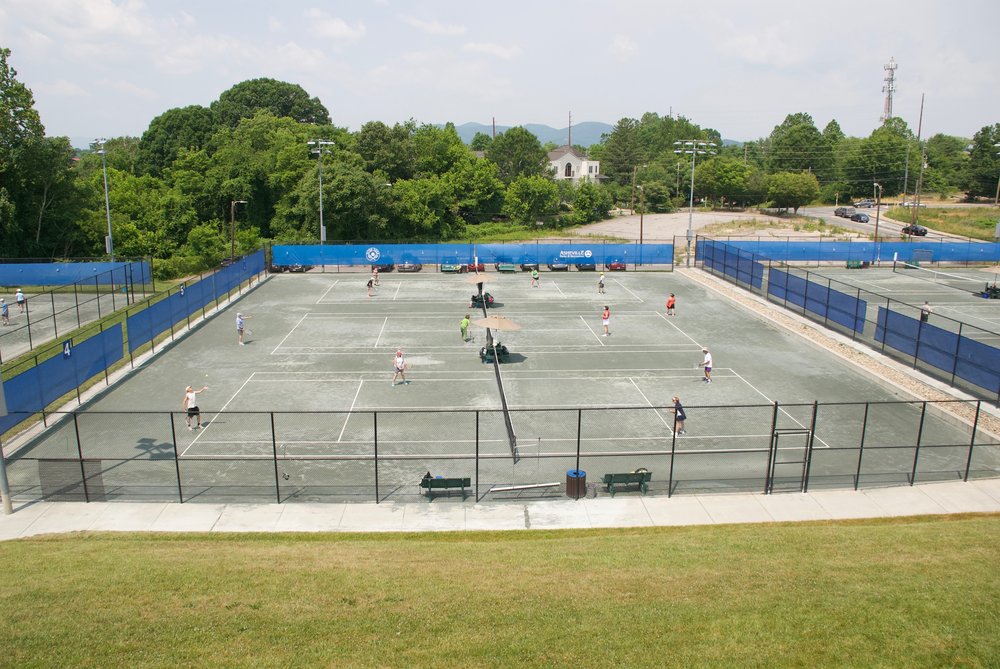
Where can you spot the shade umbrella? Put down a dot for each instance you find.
(497, 323)
(478, 278)
(994, 270)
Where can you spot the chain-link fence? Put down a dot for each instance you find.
(384, 455)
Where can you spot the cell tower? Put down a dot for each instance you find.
(890, 86)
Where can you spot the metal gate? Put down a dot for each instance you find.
(788, 460)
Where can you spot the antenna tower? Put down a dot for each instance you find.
(888, 88)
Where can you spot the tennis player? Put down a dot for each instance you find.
(707, 364)
(606, 319)
(190, 404)
(241, 323)
(671, 303)
(399, 368)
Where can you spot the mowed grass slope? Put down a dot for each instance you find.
(916, 592)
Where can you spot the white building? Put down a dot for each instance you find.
(567, 163)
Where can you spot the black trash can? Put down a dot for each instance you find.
(576, 483)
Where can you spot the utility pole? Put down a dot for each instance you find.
(888, 88)
(694, 147)
(923, 160)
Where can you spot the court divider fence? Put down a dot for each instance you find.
(381, 456)
(948, 349)
(66, 367)
(79, 293)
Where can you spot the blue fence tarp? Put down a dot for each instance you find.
(572, 253)
(64, 273)
(847, 310)
(842, 250)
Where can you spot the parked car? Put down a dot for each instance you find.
(474, 267)
(865, 203)
(409, 266)
(384, 267)
(528, 266)
(558, 266)
(844, 212)
(586, 267)
(504, 265)
(294, 267)
(917, 230)
(860, 217)
(453, 268)
(911, 203)
(615, 266)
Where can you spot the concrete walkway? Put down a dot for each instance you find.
(626, 510)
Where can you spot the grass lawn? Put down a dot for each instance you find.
(974, 222)
(914, 592)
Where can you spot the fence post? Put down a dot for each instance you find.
(861, 446)
(375, 432)
(770, 451)
(972, 442)
(55, 323)
(477, 456)
(274, 454)
(579, 422)
(920, 432)
(673, 451)
(79, 452)
(809, 447)
(177, 460)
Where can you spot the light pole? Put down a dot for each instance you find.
(109, 243)
(642, 208)
(694, 147)
(878, 208)
(232, 220)
(319, 151)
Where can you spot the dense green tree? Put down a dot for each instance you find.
(480, 142)
(47, 198)
(19, 122)
(790, 190)
(175, 129)
(623, 152)
(390, 150)
(530, 199)
(946, 163)
(281, 98)
(437, 150)
(983, 168)
(724, 178)
(882, 158)
(477, 189)
(591, 203)
(833, 133)
(517, 153)
(797, 145)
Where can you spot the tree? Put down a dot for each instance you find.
(480, 142)
(530, 198)
(280, 98)
(724, 177)
(390, 150)
(882, 158)
(983, 169)
(175, 129)
(797, 145)
(946, 162)
(517, 153)
(476, 188)
(789, 190)
(436, 150)
(590, 203)
(19, 122)
(623, 151)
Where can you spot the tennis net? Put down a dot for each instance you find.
(957, 281)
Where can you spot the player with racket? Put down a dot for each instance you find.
(707, 364)
(241, 327)
(399, 367)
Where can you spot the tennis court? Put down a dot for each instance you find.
(308, 406)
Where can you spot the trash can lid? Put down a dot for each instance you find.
(576, 473)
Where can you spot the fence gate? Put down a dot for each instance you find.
(788, 460)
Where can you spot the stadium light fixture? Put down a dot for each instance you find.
(694, 147)
(320, 149)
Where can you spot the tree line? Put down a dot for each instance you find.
(201, 181)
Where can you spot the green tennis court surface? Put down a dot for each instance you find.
(308, 405)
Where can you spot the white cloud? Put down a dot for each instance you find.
(323, 25)
(780, 45)
(622, 48)
(129, 89)
(498, 50)
(433, 27)
(62, 88)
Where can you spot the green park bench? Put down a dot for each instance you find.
(486, 354)
(857, 264)
(506, 267)
(432, 485)
(614, 481)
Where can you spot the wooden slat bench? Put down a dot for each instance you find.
(614, 481)
(430, 486)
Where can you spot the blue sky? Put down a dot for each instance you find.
(106, 68)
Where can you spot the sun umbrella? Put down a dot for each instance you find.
(478, 278)
(496, 323)
(994, 270)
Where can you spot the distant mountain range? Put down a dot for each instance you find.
(584, 134)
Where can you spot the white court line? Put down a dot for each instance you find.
(591, 330)
(546, 374)
(629, 291)
(667, 320)
(559, 289)
(379, 337)
(205, 426)
(399, 286)
(275, 349)
(350, 411)
(327, 291)
(664, 420)
(770, 401)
